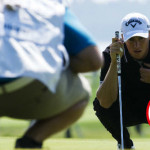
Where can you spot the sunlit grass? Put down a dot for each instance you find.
(77, 144)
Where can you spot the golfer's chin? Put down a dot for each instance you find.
(138, 56)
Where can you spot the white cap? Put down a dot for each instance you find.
(135, 24)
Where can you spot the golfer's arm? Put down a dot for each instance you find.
(108, 90)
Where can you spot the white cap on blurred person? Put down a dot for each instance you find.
(135, 24)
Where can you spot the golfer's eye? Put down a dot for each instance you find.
(136, 39)
(141, 38)
(131, 39)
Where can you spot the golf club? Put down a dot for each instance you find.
(119, 85)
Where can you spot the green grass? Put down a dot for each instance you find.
(92, 144)
(88, 127)
(88, 133)
(77, 144)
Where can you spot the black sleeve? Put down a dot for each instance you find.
(107, 60)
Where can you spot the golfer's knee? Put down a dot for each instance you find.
(77, 109)
(81, 104)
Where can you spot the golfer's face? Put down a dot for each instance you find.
(138, 47)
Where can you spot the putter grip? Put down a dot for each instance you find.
(118, 64)
(118, 56)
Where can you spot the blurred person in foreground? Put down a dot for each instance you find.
(36, 79)
(135, 79)
(81, 47)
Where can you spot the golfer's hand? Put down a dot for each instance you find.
(145, 73)
(116, 48)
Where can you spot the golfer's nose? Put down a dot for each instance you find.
(136, 44)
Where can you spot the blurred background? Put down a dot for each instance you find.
(102, 18)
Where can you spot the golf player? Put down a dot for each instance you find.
(135, 79)
(37, 80)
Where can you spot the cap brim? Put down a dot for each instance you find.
(129, 35)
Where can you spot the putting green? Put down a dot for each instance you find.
(7, 143)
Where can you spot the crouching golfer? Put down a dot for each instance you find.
(36, 80)
(135, 79)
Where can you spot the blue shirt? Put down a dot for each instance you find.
(76, 36)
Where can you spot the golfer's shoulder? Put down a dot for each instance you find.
(107, 49)
(106, 58)
(106, 53)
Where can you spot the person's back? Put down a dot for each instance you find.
(29, 35)
(32, 55)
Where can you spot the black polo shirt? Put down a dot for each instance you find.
(133, 89)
